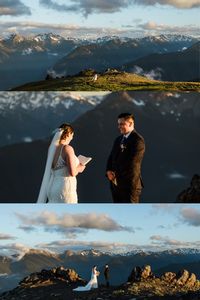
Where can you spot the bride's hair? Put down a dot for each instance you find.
(67, 129)
(64, 125)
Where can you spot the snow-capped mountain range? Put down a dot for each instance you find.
(35, 100)
(57, 39)
(33, 56)
(29, 116)
(95, 253)
(117, 52)
(45, 40)
(26, 116)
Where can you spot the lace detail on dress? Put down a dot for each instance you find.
(62, 186)
(60, 162)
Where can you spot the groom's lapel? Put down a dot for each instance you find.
(130, 136)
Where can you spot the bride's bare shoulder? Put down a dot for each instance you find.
(69, 149)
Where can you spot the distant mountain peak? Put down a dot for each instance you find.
(48, 36)
(91, 252)
(16, 38)
(41, 251)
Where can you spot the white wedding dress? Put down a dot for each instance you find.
(62, 187)
(92, 284)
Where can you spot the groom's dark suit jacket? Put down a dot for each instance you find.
(126, 163)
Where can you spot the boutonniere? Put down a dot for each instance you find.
(123, 147)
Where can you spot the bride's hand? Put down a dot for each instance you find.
(81, 168)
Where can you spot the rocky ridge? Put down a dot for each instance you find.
(58, 283)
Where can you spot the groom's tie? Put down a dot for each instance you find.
(123, 140)
(122, 143)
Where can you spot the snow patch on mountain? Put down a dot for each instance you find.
(96, 253)
(27, 51)
(3, 274)
(33, 100)
(139, 102)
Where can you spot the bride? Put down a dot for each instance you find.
(92, 284)
(59, 181)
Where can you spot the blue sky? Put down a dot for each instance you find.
(103, 227)
(92, 18)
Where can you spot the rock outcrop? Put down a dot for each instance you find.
(60, 273)
(191, 194)
(142, 282)
(47, 284)
(182, 278)
(139, 273)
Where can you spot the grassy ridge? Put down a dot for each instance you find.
(108, 81)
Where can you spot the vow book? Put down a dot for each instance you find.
(83, 159)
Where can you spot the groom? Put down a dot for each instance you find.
(124, 163)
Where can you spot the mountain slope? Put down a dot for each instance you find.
(175, 66)
(116, 52)
(4, 52)
(30, 57)
(5, 265)
(110, 80)
(34, 260)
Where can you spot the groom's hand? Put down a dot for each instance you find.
(110, 175)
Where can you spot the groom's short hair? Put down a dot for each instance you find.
(126, 116)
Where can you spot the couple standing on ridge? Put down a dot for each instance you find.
(93, 283)
(123, 170)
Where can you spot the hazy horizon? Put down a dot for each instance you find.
(84, 19)
(110, 228)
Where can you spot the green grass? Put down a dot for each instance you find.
(114, 81)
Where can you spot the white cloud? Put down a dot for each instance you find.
(185, 4)
(75, 31)
(152, 26)
(87, 7)
(5, 236)
(155, 74)
(13, 8)
(71, 225)
(27, 229)
(161, 227)
(64, 245)
(18, 249)
(190, 216)
(66, 30)
(167, 242)
(165, 208)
